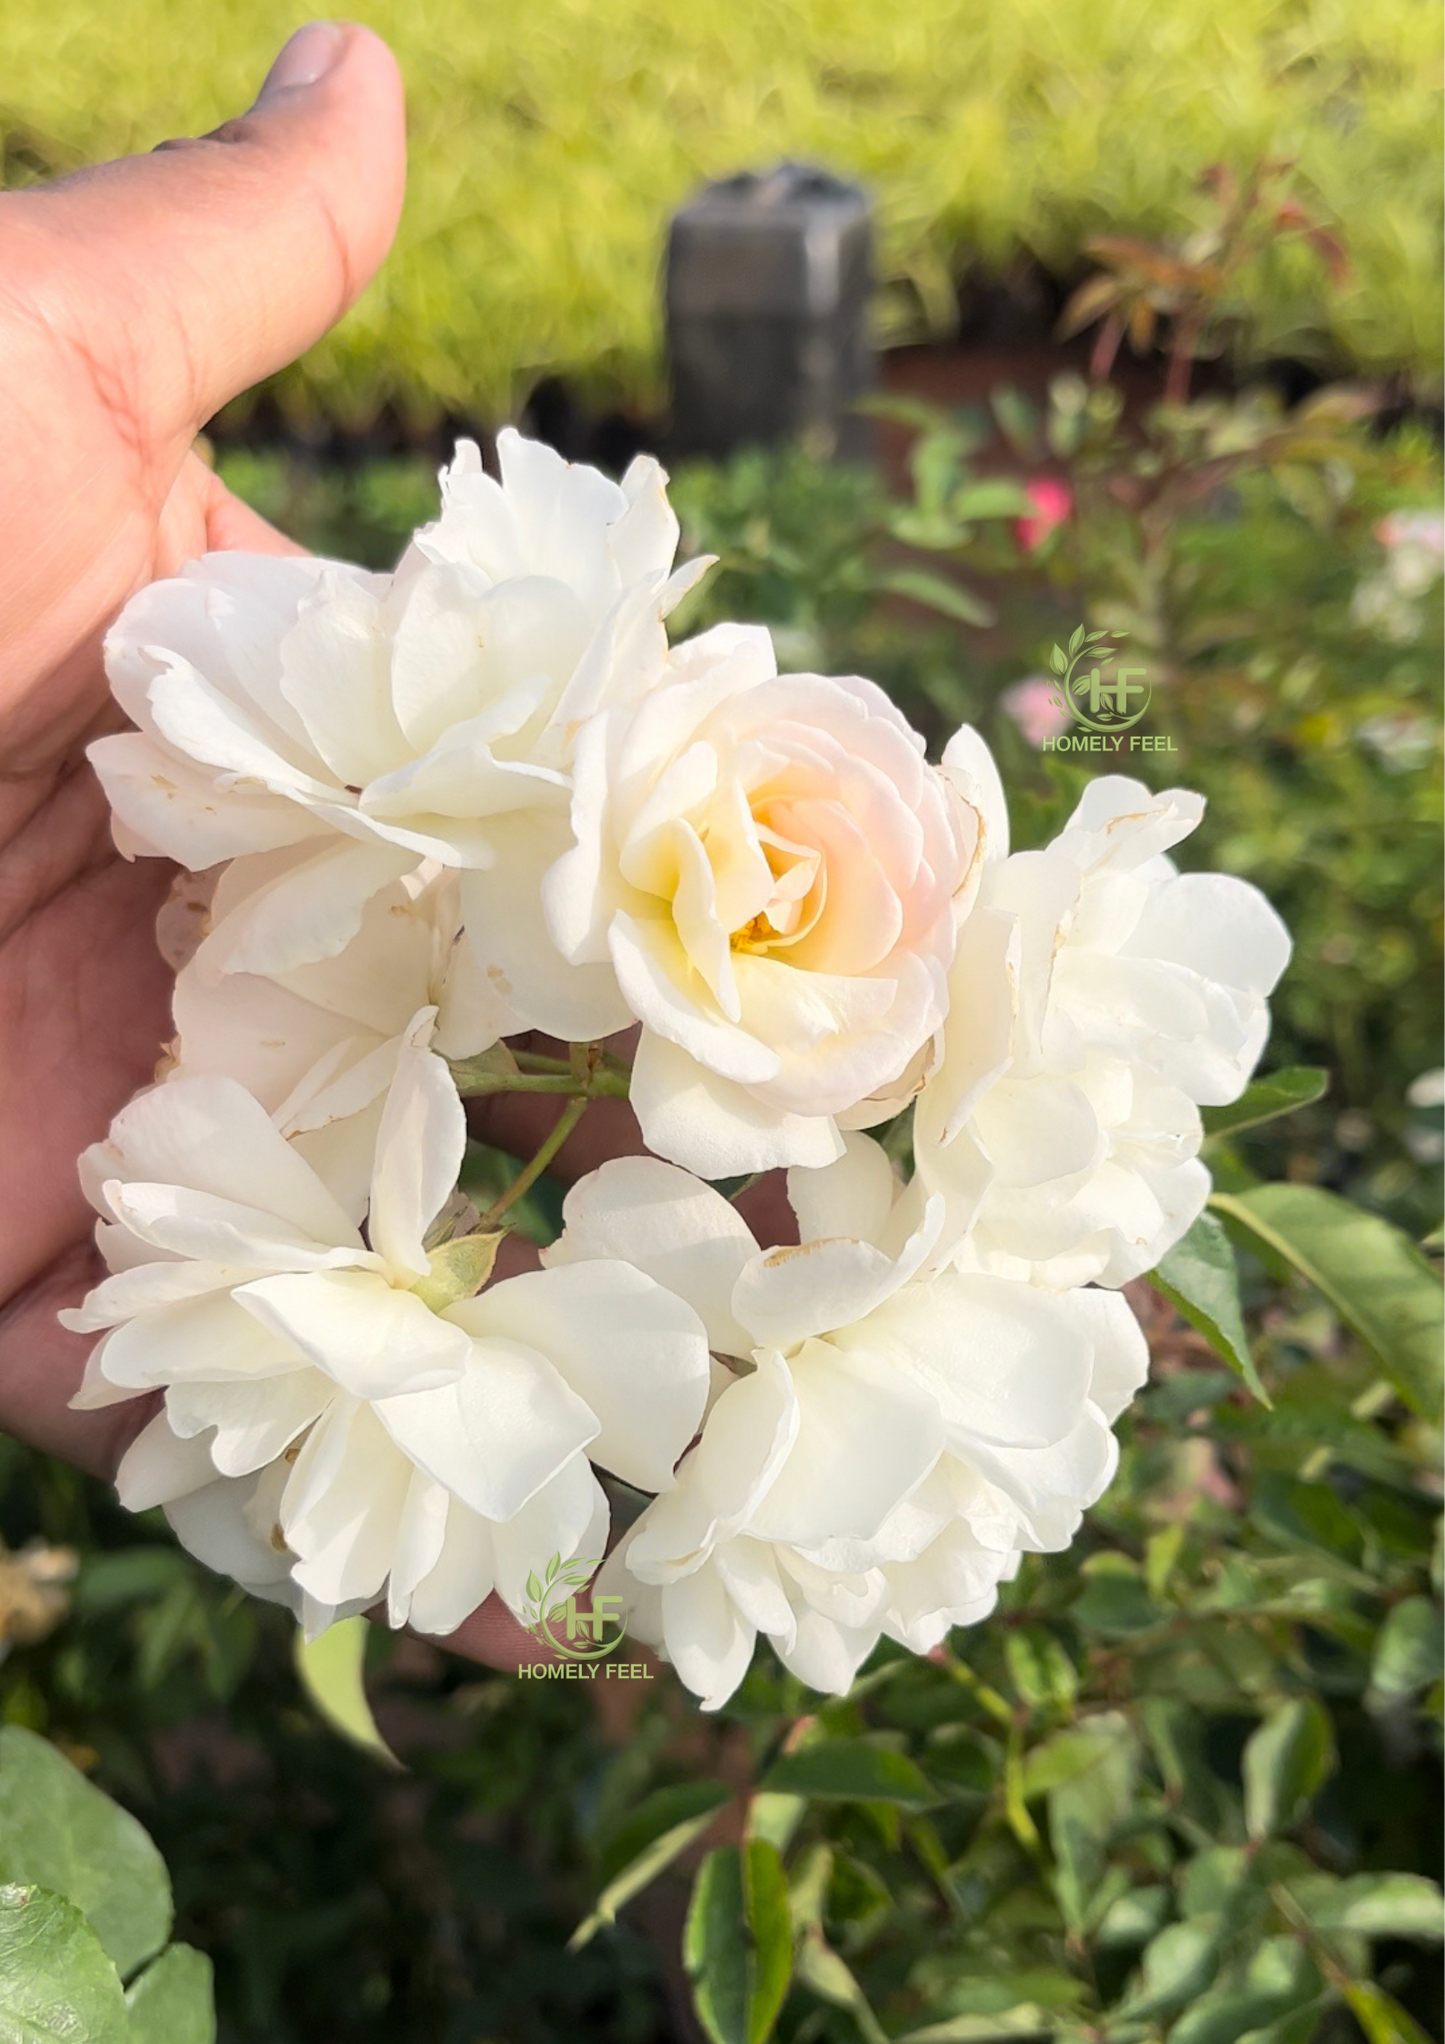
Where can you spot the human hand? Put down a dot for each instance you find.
(135, 300)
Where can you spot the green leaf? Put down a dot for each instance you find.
(662, 1826)
(655, 1815)
(1177, 1739)
(58, 1831)
(930, 530)
(1018, 419)
(1083, 1813)
(330, 1669)
(1300, 2026)
(1059, 660)
(1408, 1648)
(1372, 1274)
(936, 464)
(1134, 1919)
(1059, 1759)
(1380, 2016)
(1199, 1277)
(1115, 1598)
(1285, 1762)
(904, 411)
(56, 1984)
(1027, 2020)
(1042, 1673)
(1221, 1882)
(1186, 1392)
(991, 499)
(1281, 1977)
(961, 1767)
(1373, 1905)
(1267, 1099)
(820, 1969)
(738, 1943)
(851, 1771)
(132, 1575)
(1311, 1515)
(950, 598)
(1178, 1966)
(775, 1818)
(172, 2002)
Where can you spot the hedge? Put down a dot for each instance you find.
(551, 139)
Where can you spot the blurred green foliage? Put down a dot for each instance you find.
(550, 143)
(1184, 1786)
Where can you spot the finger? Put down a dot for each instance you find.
(200, 515)
(232, 526)
(42, 1363)
(211, 263)
(494, 1637)
(765, 1208)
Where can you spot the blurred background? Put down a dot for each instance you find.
(1156, 329)
(551, 141)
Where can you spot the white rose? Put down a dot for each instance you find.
(318, 1045)
(379, 720)
(1099, 998)
(396, 1434)
(897, 1435)
(767, 875)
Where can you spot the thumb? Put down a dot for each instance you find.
(211, 263)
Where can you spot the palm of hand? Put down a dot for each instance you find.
(83, 990)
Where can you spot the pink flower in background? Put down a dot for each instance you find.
(1412, 528)
(1052, 501)
(1035, 706)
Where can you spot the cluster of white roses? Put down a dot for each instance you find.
(482, 797)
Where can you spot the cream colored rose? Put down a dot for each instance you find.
(768, 873)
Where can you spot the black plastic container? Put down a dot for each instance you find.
(768, 282)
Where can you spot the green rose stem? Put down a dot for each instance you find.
(587, 1074)
(606, 1078)
(527, 1177)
